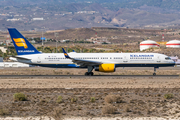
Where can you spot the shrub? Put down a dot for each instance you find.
(127, 109)
(113, 99)
(74, 99)
(4, 112)
(93, 99)
(109, 109)
(57, 114)
(148, 111)
(59, 99)
(168, 96)
(43, 100)
(19, 97)
(79, 108)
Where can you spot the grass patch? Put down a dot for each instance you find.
(59, 99)
(113, 99)
(74, 99)
(109, 109)
(4, 112)
(19, 97)
(168, 96)
(93, 99)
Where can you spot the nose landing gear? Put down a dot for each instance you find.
(154, 74)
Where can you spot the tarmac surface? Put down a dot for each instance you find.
(89, 77)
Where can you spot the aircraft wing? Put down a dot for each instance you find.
(81, 62)
(84, 63)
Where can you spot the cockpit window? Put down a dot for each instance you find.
(168, 58)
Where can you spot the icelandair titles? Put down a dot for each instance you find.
(25, 51)
(141, 55)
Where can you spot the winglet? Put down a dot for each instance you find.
(65, 54)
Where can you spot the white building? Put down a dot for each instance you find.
(37, 19)
(3, 49)
(173, 44)
(13, 64)
(14, 19)
(148, 44)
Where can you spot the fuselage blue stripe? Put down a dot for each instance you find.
(116, 65)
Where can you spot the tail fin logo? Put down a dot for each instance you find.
(20, 42)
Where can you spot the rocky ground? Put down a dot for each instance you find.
(126, 102)
(92, 97)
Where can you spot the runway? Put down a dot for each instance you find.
(82, 76)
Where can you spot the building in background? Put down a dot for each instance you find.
(148, 44)
(173, 44)
(34, 19)
(12, 64)
(3, 49)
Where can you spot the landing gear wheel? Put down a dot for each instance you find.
(86, 74)
(154, 74)
(91, 74)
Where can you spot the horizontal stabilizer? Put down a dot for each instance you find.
(20, 58)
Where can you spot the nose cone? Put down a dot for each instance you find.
(177, 62)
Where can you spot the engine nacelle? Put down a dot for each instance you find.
(106, 68)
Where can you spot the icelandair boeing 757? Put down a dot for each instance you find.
(102, 62)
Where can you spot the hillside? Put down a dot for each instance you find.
(60, 14)
(122, 35)
(112, 5)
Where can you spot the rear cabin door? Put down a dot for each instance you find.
(39, 59)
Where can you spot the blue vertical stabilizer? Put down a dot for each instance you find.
(22, 46)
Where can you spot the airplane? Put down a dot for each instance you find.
(101, 62)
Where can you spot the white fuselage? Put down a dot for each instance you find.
(58, 60)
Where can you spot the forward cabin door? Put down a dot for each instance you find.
(158, 59)
(125, 59)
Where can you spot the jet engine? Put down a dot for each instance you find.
(106, 68)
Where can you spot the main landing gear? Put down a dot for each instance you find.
(154, 74)
(89, 73)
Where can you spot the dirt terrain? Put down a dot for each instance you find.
(74, 71)
(91, 97)
(134, 102)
